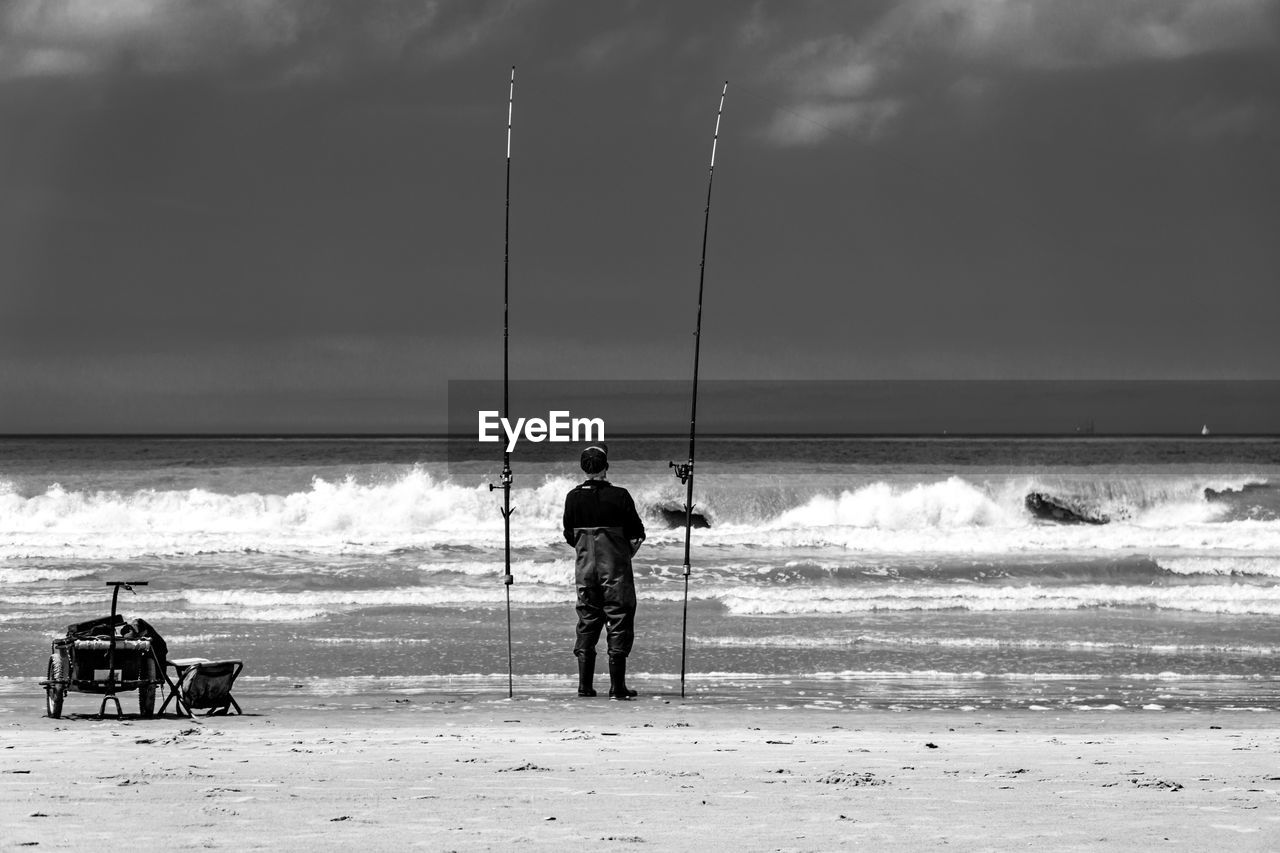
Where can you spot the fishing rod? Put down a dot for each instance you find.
(505, 482)
(684, 470)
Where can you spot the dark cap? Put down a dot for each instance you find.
(595, 458)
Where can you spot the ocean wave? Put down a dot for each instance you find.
(196, 605)
(1223, 491)
(161, 617)
(36, 574)
(794, 641)
(239, 614)
(736, 597)
(1227, 564)
(551, 572)
(425, 596)
(952, 503)
(1200, 598)
(178, 639)
(57, 596)
(415, 511)
(947, 675)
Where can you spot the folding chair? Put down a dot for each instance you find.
(204, 684)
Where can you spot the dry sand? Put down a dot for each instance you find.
(480, 773)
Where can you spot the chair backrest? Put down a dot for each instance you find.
(208, 685)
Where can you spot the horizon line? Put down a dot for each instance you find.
(445, 436)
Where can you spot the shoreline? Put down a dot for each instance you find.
(480, 772)
(870, 693)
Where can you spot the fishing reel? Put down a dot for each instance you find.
(684, 470)
(504, 482)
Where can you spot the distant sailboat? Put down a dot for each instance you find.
(1204, 430)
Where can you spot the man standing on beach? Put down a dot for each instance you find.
(601, 523)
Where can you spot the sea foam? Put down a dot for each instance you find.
(414, 510)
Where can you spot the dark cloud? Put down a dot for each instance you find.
(243, 201)
(857, 78)
(265, 41)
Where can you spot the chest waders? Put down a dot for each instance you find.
(606, 602)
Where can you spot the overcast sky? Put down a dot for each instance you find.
(287, 215)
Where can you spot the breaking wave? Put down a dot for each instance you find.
(1200, 598)
(415, 510)
(736, 597)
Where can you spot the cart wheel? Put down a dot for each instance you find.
(147, 692)
(53, 693)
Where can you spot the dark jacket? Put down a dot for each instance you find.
(599, 503)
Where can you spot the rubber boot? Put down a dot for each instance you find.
(586, 672)
(618, 679)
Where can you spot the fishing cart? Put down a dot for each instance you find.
(106, 656)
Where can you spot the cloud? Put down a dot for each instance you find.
(279, 39)
(859, 80)
(619, 46)
(77, 37)
(1075, 34)
(835, 66)
(814, 122)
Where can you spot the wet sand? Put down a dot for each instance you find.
(659, 773)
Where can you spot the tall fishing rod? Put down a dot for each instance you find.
(684, 470)
(505, 483)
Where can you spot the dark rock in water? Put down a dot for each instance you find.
(673, 515)
(1223, 494)
(1051, 508)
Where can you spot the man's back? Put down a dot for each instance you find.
(599, 503)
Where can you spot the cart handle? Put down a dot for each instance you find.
(115, 593)
(111, 650)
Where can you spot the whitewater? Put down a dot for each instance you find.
(881, 571)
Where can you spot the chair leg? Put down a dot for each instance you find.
(177, 704)
(173, 687)
(178, 707)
